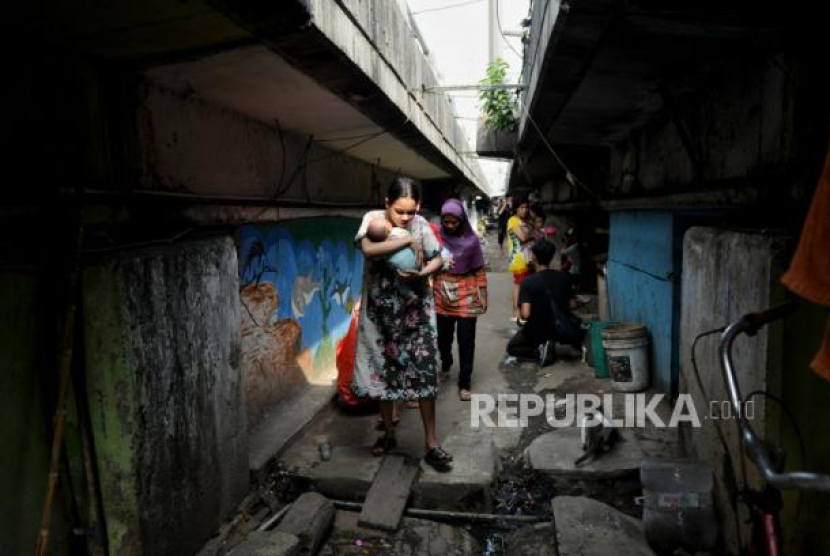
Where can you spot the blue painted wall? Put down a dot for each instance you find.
(641, 270)
(315, 268)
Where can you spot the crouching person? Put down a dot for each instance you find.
(541, 294)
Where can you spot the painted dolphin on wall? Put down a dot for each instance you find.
(304, 290)
(340, 292)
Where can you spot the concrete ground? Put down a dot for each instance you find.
(486, 457)
(477, 450)
(351, 468)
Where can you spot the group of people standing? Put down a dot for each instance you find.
(424, 286)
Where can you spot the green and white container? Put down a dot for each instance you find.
(626, 351)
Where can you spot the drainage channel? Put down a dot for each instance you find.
(520, 490)
(516, 519)
(517, 490)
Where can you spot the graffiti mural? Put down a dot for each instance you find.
(298, 283)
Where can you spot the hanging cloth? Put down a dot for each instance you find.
(809, 272)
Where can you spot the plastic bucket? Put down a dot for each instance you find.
(596, 351)
(626, 352)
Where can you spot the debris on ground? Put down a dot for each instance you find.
(309, 519)
(267, 499)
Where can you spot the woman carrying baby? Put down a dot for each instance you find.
(396, 350)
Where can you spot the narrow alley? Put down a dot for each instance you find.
(493, 470)
(417, 277)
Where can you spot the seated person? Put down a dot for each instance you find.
(404, 260)
(537, 337)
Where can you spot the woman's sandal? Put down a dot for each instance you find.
(384, 445)
(439, 459)
(379, 424)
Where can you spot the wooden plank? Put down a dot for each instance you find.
(387, 497)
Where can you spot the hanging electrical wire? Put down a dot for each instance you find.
(304, 162)
(344, 150)
(449, 7)
(348, 138)
(282, 148)
(503, 36)
(570, 176)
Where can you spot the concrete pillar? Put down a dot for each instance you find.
(161, 329)
(727, 274)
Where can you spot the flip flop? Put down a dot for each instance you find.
(465, 395)
(384, 445)
(439, 459)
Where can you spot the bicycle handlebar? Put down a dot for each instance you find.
(758, 319)
(757, 450)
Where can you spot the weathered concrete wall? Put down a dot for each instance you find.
(727, 274)
(747, 136)
(299, 281)
(165, 387)
(742, 128)
(641, 286)
(192, 147)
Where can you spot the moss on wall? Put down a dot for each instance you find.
(110, 391)
(166, 405)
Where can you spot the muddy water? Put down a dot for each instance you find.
(519, 490)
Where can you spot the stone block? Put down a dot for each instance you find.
(555, 453)
(268, 543)
(532, 540)
(161, 333)
(309, 519)
(590, 528)
(387, 498)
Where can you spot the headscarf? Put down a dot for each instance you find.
(463, 244)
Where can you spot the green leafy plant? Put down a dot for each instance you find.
(498, 105)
